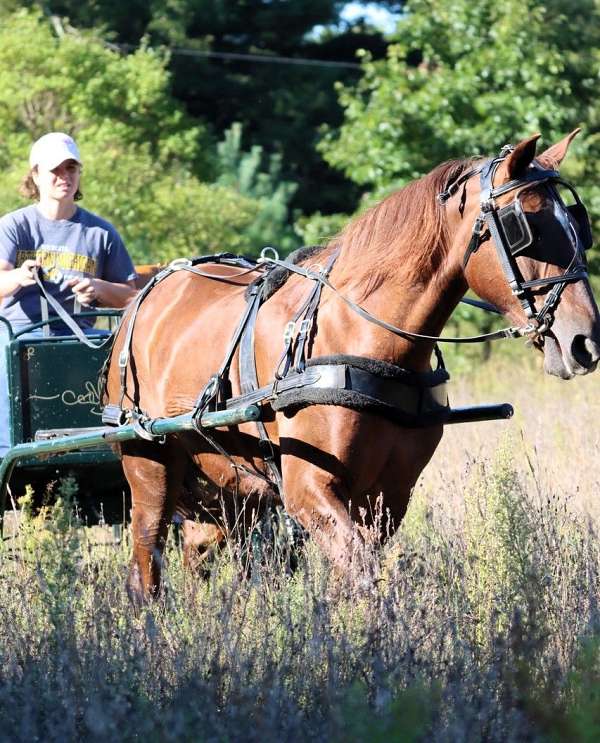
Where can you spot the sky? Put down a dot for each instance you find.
(373, 12)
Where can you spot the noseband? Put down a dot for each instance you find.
(511, 234)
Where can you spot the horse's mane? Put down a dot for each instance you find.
(410, 219)
(409, 225)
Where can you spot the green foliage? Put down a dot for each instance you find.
(141, 152)
(405, 719)
(169, 216)
(50, 542)
(464, 78)
(75, 82)
(582, 718)
(318, 229)
(244, 173)
(282, 106)
(499, 544)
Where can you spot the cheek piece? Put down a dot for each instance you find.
(511, 233)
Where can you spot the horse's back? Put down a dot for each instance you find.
(181, 330)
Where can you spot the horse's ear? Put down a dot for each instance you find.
(553, 156)
(522, 156)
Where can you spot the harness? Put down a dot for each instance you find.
(410, 399)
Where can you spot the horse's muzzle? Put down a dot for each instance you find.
(585, 353)
(572, 356)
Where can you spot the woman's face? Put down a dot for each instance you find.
(60, 184)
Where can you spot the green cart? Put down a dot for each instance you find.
(54, 391)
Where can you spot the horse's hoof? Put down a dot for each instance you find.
(135, 590)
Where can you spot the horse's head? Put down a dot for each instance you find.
(527, 233)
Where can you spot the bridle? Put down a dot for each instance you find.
(511, 234)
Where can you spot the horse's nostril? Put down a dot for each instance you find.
(585, 351)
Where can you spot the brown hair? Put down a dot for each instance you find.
(29, 190)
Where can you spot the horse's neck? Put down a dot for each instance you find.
(420, 305)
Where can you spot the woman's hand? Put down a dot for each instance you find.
(25, 274)
(84, 290)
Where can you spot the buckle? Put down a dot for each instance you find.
(305, 327)
(288, 333)
(478, 226)
(266, 449)
(123, 359)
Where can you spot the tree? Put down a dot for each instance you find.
(142, 153)
(257, 176)
(280, 105)
(464, 78)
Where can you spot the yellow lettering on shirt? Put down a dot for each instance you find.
(53, 260)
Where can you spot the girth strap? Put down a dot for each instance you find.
(411, 398)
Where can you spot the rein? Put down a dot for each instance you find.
(47, 299)
(319, 277)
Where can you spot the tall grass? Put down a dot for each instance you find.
(483, 624)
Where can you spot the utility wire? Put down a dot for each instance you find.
(262, 58)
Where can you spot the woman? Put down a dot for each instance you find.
(80, 256)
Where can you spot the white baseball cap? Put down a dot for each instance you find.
(53, 149)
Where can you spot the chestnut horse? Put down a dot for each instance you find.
(406, 262)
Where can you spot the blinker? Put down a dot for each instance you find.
(577, 212)
(517, 231)
(579, 215)
(515, 228)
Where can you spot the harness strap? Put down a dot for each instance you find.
(511, 332)
(566, 278)
(288, 338)
(506, 261)
(45, 315)
(307, 323)
(125, 352)
(249, 384)
(480, 304)
(490, 215)
(47, 299)
(220, 386)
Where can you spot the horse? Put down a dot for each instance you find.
(498, 227)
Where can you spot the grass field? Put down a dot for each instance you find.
(483, 625)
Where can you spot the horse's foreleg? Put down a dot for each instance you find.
(155, 475)
(316, 499)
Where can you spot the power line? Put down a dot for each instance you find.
(262, 58)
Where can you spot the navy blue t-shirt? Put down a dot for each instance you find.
(83, 246)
